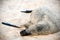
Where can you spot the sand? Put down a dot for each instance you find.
(11, 12)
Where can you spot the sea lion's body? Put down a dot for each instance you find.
(43, 22)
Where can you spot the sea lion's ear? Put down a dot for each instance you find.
(26, 11)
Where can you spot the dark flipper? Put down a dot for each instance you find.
(10, 24)
(27, 11)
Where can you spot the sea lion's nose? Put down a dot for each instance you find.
(26, 11)
(24, 33)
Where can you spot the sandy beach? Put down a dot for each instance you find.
(11, 13)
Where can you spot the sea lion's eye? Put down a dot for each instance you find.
(26, 11)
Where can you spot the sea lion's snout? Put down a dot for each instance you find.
(24, 33)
